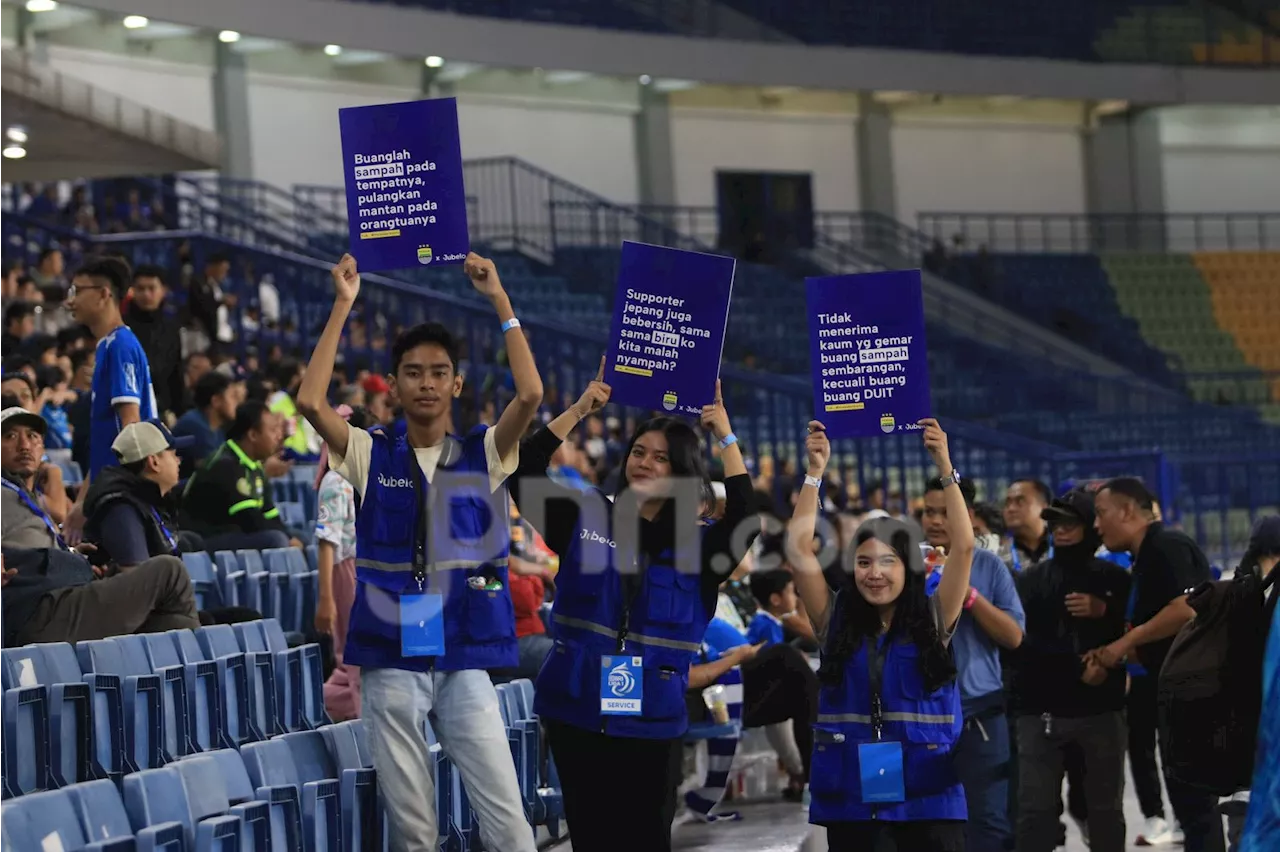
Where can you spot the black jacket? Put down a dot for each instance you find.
(40, 572)
(1047, 665)
(157, 331)
(116, 485)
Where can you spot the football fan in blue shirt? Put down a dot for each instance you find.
(775, 592)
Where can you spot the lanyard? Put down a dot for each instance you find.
(37, 511)
(1017, 559)
(164, 530)
(876, 653)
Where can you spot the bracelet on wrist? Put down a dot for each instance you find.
(815, 481)
(510, 324)
(728, 441)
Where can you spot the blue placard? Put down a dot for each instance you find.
(867, 352)
(880, 767)
(621, 686)
(405, 201)
(669, 317)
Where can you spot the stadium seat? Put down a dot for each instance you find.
(238, 718)
(219, 640)
(199, 688)
(48, 822)
(70, 736)
(205, 778)
(293, 588)
(358, 791)
(156, 797)
(102, 817)
(310, 810)
(242, 585)
(154, 731)
(204, 580)
(299, 674)
(25, 743)
(524, 737)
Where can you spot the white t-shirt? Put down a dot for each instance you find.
(354, 466)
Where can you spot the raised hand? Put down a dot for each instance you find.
(346, 279)
(595, 396)
(817, 448)
(935, 441)
(715, 419)
(483, 274)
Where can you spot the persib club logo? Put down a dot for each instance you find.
(621, 681)
(886, 423)
(424, 255)
(669, 401)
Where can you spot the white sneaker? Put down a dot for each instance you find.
(1177, 838)
(1155, 832)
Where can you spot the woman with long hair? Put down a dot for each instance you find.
(889, 706)
(634, 596)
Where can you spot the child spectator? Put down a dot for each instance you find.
(775, 593)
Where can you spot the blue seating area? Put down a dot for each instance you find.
(1161, 31)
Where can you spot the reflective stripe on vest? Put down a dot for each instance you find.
(860, 719)
(434, 567)
(656, 641)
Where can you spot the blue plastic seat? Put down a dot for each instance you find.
(308, 810)
(48, 821)
(293, 587)
(299, 674)
(153, 731)
(233, 680)
(71, 754)
(242, 585)
(523, 737)
(195, 684)
(24, 745)
(219, 640)
(102, 816)
(204, 580)
(206, 789)
(155, 797)
(358, 790)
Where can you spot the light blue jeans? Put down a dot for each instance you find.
(463, 710)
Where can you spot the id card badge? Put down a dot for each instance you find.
(422, 625)
(881, 769)
(621, 686)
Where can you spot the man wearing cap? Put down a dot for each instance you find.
(53, 594)
(128, 516)
(1166, 563)
(1068, 708)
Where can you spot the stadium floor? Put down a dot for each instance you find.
(782, 827)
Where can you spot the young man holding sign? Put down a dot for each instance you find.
(432, 611)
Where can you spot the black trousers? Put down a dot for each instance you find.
(779, 685)
(1142, 714)
(1099, 740)
(1198, 816)
(619, 792)
(931, 835)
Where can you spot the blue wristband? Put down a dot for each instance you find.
(510, 324)
(728, 441)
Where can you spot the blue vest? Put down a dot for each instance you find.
(664, 624)
(927, 725)
(479, 624)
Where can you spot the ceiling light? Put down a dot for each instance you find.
(16, 134)
(14, 152)
(135, 22)
(228, 36)
(41, 6)
(332, 49)
(645, 79)
(434, 61)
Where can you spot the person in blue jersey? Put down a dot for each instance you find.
(121, 388)
(889, 708)
(775, 594)
(994, 624)
(637, 587)
(432, 611)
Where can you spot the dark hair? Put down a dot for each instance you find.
(967, 490)
(19, 376)
(286, 371)
(49, 376)
(216, 258)
(991, 516)
(8, 400)
(360, 418)
(248, 418)
(684, 454)
(858, 621)
(38, 344)
(71, 335)
(766, 584)
(80, 356)
(47, 252)
(18, 311)
(114, 270)
(149, 270)
(137, 467)
(1133, 488)
(1046, 496)
(426, 333)
(207, 387)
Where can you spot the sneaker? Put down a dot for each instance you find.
(1177, 839)
(1155, 832)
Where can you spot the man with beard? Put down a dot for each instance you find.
(1070, 709)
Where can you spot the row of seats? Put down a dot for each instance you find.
(105, 708)
(281, 583)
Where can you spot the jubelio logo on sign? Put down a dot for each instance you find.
(867, 352)
(406, 205)
(669, 316)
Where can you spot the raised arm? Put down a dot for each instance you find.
(811, 585)
(313, 395)
(954, 588)
(718, 541)
(519, 413)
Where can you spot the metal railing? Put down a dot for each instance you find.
(1105, 232)
(37, 82)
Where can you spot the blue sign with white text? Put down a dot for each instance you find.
(867, 352)
(669, 318)
(406, 205)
